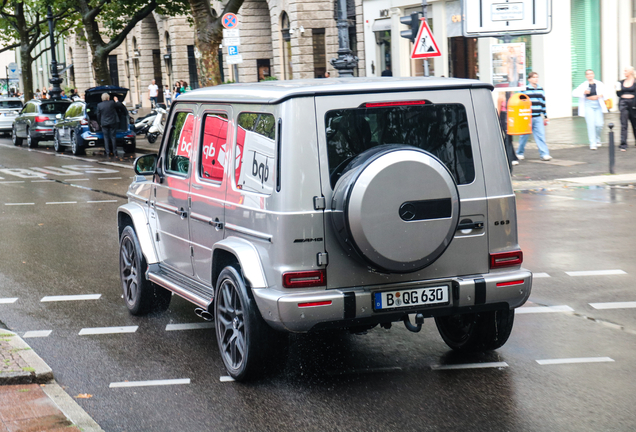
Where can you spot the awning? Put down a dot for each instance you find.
(383, 24)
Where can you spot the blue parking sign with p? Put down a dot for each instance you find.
(232, 50)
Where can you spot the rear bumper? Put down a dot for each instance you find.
(354, 307)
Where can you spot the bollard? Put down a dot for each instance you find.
(611, 148)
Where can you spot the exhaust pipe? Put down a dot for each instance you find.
(203, 314)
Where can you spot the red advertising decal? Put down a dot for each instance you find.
(185, 138)
(214, 147)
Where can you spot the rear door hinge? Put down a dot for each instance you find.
(157, 236)
(319, 203)
(191, 251)
(323, 258)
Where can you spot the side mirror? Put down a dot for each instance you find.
(146, 164)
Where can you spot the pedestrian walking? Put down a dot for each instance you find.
(502, 108)
(167, 95)
(539, 119)
(153, 93)
(591, 94)
(626, 91)
(108, 120)
(38, 94)
(43, 95)
(387, 72)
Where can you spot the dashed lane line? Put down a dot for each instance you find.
(540, 275)
(18, 204)
(189, 326)
(107, 330)
(614, 305)
(8, 300)
(227, 379)
(63, 202)
(470, 366)
(575, 360)
(71, 297)
(149, 383)
(109, 178)
(43, 181)
(543, 309)
(37, 333)
(11, 181)
(596, 273)
(102, 201)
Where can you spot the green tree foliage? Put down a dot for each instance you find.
(106, 23)
(23, 25)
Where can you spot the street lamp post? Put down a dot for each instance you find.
(346, 61)
(55, 77)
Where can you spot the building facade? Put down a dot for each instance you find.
(586, 34)
(285, 39)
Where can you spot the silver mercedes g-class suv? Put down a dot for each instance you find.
(301, 206)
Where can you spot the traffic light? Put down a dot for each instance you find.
(413, 21)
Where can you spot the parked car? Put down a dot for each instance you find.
(328, 204)
(36, 120)
(10, 108)
(78, 129)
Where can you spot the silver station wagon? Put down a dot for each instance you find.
(302, 206)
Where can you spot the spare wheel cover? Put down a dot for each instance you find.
(402, 210)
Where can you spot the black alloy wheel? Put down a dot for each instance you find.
(14, 137)
(141, 295)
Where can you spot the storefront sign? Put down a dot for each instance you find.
(454, 19)
(508, 66)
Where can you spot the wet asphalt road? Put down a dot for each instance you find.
(62, 240)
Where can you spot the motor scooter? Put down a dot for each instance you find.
(142, 124)
(156, 129)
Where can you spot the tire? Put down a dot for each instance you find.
(32, 142)
(130, 148)
(57, 145)
(151, 137)
(247, 344)
(141, 295)
(76, 149)
(14, 136)
(476, 332)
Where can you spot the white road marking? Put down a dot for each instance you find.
(71, 297)
(540, 275)
(118, 165)
(12, 181)
(596, 273)
(470, 366)
(102, 201)
(150, 383)
(543, 309)
(42, 181)
(63, 202)
(109, 178)
(365, 371)
(8, 300)
(614, 305)
(74, 180)
(107, 330)
(189, 326)
(575, 360)
(18, 204)
(37, 333)
(227, 379)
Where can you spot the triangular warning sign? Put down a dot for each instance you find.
(425, 45)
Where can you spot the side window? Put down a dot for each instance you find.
(255, 150)
(30, 108)
(71, 111)
(180, 143)
(214, 147)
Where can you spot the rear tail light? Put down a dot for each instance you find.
(506, 259)
(41, 119)
(304, 279)
(83, 122)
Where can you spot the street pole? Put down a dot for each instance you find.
(55, 77)
(611, 148)
(424, 11)
(346, 61)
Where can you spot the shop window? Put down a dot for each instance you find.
(180, 143)
(255, 150)
(213, 147)
(263, 69)
(320, 52)
(287, 54)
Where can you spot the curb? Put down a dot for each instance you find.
(41, 373)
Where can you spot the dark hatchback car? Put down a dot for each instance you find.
(78, 128)
(36, 120)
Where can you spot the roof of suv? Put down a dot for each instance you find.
(277, 91)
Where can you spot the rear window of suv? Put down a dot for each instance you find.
(54, 107)
(10, 104)
(440, 129)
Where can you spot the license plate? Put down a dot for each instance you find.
(435, 295)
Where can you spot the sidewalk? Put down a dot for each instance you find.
(30, 400)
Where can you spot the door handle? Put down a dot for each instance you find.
(181, 212)
(217, 224)
(197, 187)
(468, 224)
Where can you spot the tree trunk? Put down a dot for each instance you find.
(27, 74)
(100, 67)
(209, 68)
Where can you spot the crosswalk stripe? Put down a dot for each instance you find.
(596, 273)
(575, 360)
(614, 305)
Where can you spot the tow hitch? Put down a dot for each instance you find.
(419, 320)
